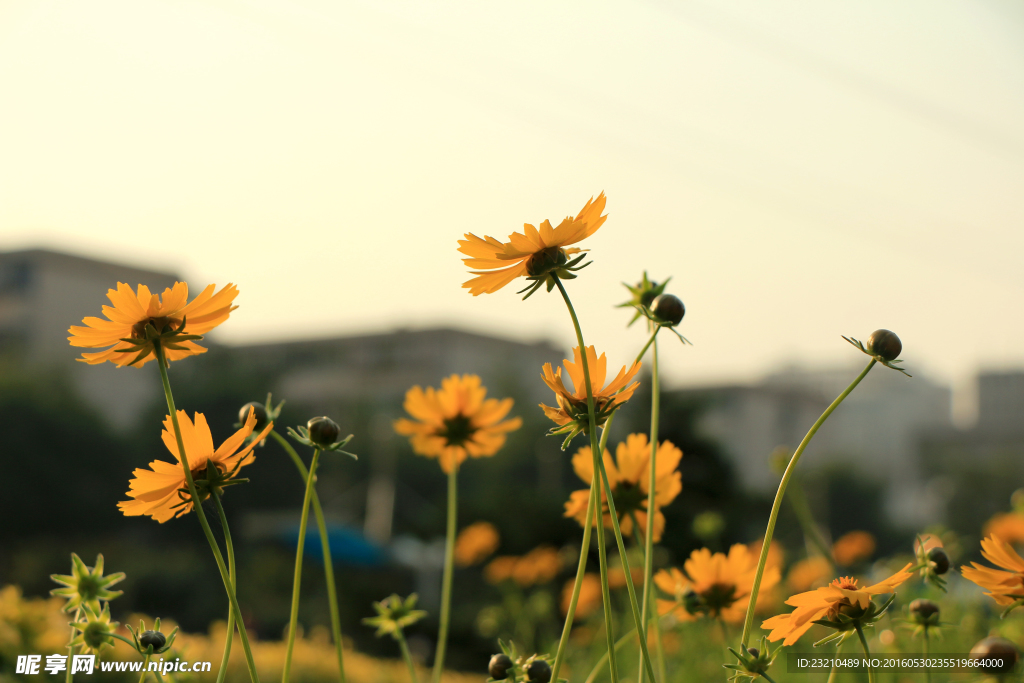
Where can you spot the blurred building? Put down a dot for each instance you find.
(875, 432)
(43, 293)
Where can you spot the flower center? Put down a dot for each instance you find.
(628, 498)
(545, 261)
(457, 430)
(846, 583)
(160, 324)
(719, 596)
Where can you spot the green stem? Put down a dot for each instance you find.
(604, 657)
(651, 511)
(297, 581)
(71, 648)
(406, 655)
(798, 501)
(637, 619)
(449, 570)
(927, 671)
(835, 669)
(197, 505)
(787, 475)
(145, 663)
(596, 486)
(659, 653)
(867, 653)
(325, 545)
(230, 636)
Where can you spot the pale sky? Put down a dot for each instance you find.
(803, 170)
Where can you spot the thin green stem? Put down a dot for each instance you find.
(145, 663)
(927, 671)
(766, 677)
(71, 648)
(598, 466)
(867, 653)
(776, 506)
(651, 512)
(293, 621)
(230, 635)
(449, 571)
(637, 619)
(406, 655)
(325, 545)
(604, 657)
(835, 669)
(197, 505)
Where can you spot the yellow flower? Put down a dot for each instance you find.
(476, 543)
(1005, 587)
(810, 572)
(853, 547)
(162, 492)
(534, 253)
(133, 312)
(842, 595)
(1008, 526)
(540, 565)
(571, 413)
(590, 595)
(629, 479)
(455, 422)
(716, 585)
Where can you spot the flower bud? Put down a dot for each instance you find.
(539, 671)
(925, 612)
(499, 666)
(939, 561)
(995, 649)
(693, 602)
(154, 638)
(323, 431)
(668, 308)
(884, 344)
(753, 652)
(258, 410)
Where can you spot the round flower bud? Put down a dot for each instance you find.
(258, 410)
(499, 666)
(999, 649)
(669, 308)
(154, 638)
(753, 652)
(323, 431)
(939, 560)
(924, 611)
(539, 671)
(885, 344)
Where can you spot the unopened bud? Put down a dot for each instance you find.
(258, 411)
(753, 652)
(323, 431)
(998, 653)
(939, 561)
(154, 638)
(499, 666)
(924, 612)
(668, 308)
(885, 344)
(539, 671)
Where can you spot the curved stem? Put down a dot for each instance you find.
(595, 486)
(787, 475)
(406, 655)
(325, 546)
(71, 648)
(145, 663)
(296, 583)
(197, 505)
(651, 511)
(867, 653)
(230, 635)
(449, 570)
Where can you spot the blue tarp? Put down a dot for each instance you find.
(347, 545)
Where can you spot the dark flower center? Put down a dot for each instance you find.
(159, 324)
(628, 498)
(457, 430)
(545, 261)
(718, 596)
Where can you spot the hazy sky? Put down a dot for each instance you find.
(802, 170)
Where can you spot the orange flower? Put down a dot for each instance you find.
(828, 602)
(500, 569)
(133, 312)
(162, 492)
(455, 422)
(629, 479)
(810, 572)
(1008, 526)
(715, 585)
(534, 253)
(1005, 587)
(617, 577)
(571, 413)
(853, 547)
(476, 543)
(590, 596)
(540, 565)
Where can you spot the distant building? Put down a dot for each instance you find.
(875, 431)
(43, 293)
